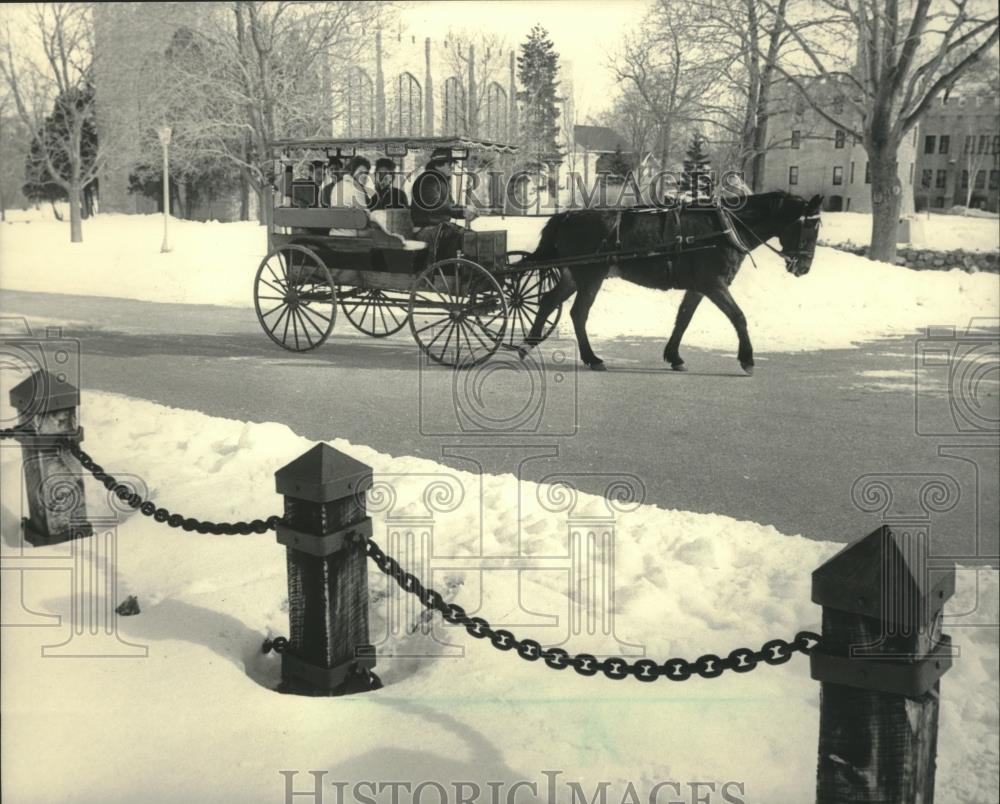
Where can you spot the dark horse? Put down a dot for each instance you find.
(698, 250)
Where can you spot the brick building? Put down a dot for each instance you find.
(958, 159)
(817, 157)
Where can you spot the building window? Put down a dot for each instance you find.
(926, 177)
(838, 106)
(409, 106)
(360, 104)
(929, 142)
(995, 179)
(848, 205)
(970, 141)
(996, 143)
(852, 173)
(911, 174)
(868, 172)
(838, 139)
(796, 138)
(943, 144)
(838, 175)
(914, 137)
(980, 179)
(983, 140)
(495, 124)
(800, 107)
(939, 201)
(454, 107)
(793, 174)
(965, 179)
(940, 179)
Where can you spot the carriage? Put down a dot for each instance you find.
(460, 310)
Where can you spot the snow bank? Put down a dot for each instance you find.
(196, 721)
(845, 299)
(934, 231)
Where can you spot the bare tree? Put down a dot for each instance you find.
(662, 73)
(890, 60)
(479, 56)
(46, 59)
(260, 71)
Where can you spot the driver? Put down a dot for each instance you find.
(432, 206)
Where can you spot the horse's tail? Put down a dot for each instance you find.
(546, 248)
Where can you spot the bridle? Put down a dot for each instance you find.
(808, 233)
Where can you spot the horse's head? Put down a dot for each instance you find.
(798, 238)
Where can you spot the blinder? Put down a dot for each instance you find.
(799, 257)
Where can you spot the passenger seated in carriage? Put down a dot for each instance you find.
(386, 196)
(335, 169)
(432, 207)
(352, 189)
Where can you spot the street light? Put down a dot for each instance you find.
(164, 134)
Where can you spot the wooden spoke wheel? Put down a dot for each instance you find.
(458, 313)
(524, 290)
(295, 299)
(374, 312)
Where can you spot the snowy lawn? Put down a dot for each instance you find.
(936, 232)
(196, 721)
(844, 300)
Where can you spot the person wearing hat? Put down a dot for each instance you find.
(386, 196)
(433, 208)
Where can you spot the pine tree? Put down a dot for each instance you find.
(697, 178)
(537, 68)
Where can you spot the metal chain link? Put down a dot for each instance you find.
(741, 660)
(162, 515)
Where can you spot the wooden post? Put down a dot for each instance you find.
(53, 480)
(325, 532)
(880, 663)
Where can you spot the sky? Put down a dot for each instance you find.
(584, 33)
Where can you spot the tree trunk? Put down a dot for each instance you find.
(75, 215)
(887, 194)
(263, 208)
(244, 196)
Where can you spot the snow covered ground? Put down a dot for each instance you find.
(936, 232)
(845, 299)
(195, 720)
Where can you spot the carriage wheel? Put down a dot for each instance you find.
(373, 311)
(458, 313)
(524, 290)
(295, 299)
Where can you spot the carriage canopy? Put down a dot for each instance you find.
(461, 147)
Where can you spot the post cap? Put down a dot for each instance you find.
(322, 474)
(885, 576)
(44, 392)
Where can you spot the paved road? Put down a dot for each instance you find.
(784, 447)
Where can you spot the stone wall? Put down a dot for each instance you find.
(922, 259)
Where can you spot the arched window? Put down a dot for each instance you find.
(454, 107)
(409, 106)
(360, 103)
(495, 124)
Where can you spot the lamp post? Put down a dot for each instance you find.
(164, 134)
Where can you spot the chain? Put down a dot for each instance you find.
(741, 660)
(162, 515)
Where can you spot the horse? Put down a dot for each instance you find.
(698, 250)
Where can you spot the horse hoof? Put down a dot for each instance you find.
(747, 368)
(678, 366)
(597, 366)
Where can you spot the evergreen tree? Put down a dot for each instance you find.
(537, 68)
(620, 164)
(40, 184)
(697, 178)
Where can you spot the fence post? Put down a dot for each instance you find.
(47, 408)
(325, 530)
(879, 663)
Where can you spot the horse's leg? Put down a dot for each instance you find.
(587, 286)
(685, 313)
(548, 302)
(723, 299)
